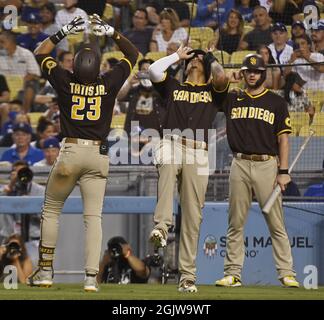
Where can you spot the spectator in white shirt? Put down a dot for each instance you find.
(313, 74)
(19, 61)
(167, 31)
(280, 50)
(48, 13)
(69, 12)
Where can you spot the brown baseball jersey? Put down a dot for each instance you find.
(255, 122)
(189, 105)
(85, 110)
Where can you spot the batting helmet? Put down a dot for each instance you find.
(253, 62)
(206, 62)
(86, 65)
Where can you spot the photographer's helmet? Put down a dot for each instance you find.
(255, 62)
(86, 65)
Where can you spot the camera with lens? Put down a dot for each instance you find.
(24, 177)
(12, 249)
(116, 250)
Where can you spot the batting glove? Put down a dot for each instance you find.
(76, 26)
(101, 28)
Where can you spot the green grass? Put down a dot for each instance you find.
(158, 292)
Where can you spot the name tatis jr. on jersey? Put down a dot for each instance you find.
(192, 97)
(90, 90)
(253, 113)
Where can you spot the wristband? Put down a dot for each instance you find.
(283, 171)
(57, 37)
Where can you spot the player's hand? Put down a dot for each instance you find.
(283, 180)
(236, 77)
(76, 26)
(183, 52)
(100, 27)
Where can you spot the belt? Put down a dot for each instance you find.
(83, 141)
(253, 157)
(188, 142)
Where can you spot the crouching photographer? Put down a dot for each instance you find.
(21, 184)
(13, 252)
(119, 265)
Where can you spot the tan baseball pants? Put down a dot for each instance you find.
(259, 176)
(189, 167)
(81, 163)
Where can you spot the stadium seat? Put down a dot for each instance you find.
(218, 54)
(193, 10)
(74, 40)
(194, 44)
(319, 119)
(20, 29)
(299, 120)
(238, 56)
(288, 31)
(34, 117)
(317, 98)
(155, 55)
(15, 84)
(108, 12)
(319, 130)
(201, 34)
(247, 29)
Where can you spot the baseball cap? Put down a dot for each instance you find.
(24, 127)
(319, 25)
(51, 143)
(298, 23)
(33, 18)
(279, 27)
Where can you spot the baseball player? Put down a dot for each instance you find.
(258, 125)
(191, 107)
(86, 102)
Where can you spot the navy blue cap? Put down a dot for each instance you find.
(51, 143)
(298, 23)
(279, 27)
(33, 18)
(25, 127)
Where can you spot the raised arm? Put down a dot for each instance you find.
(101, 28)
(74, 27)
(158, 68)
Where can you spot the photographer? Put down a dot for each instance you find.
(14, 253)
(144, 102)
(119, 265)
(20, 184)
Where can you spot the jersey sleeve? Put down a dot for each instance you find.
(166, 85)
(282, 118)
(116, 77)
(51, 70)
(219, 96)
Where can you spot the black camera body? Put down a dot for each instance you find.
(24, 177)
(116, 250)
(13, 248)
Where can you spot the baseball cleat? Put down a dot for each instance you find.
(228, 281)
(157, 239)
(289, 282)
(187, 286)
(91, 284)
(40, 278)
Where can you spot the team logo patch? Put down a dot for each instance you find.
(287, 122)
(210, 246)
(50, 65)
(253, 61)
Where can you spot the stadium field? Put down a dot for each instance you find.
(159, 292)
